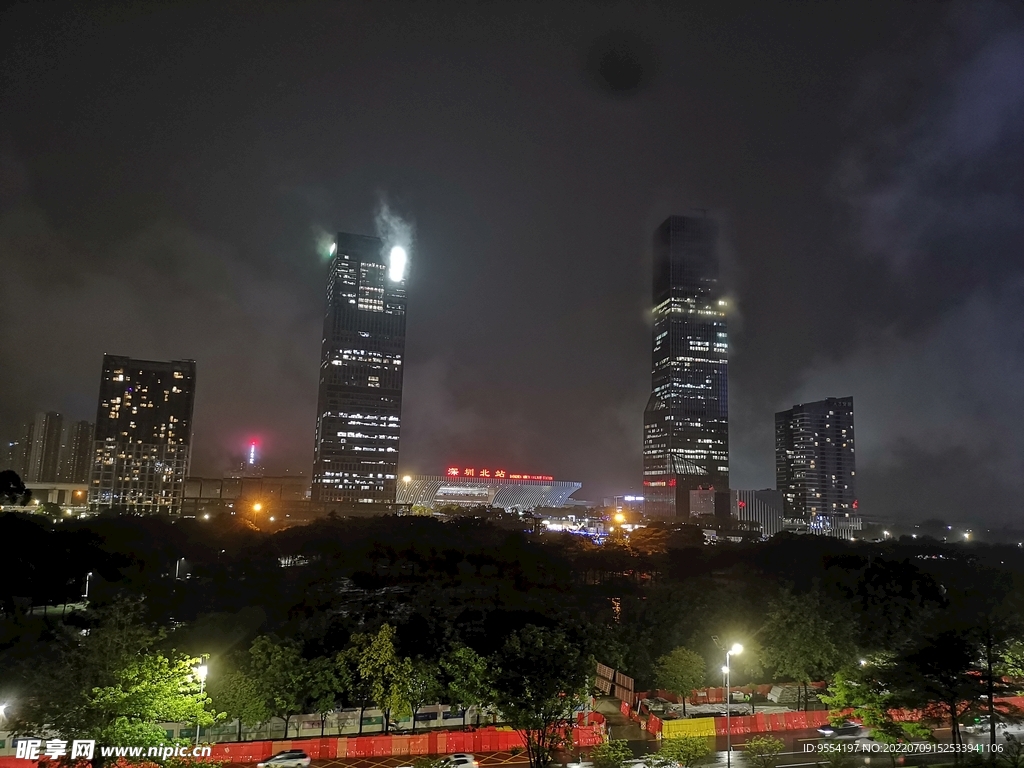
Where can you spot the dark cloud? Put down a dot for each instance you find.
(172, 176)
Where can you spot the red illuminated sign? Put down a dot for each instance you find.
(855, 504)
(487, 474)
(741, 504)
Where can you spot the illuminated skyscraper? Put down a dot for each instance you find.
(686, 422)
(143, 438)
(815, 465)
(359, 413)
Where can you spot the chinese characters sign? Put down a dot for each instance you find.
(491, 474)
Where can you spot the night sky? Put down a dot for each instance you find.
(170, 176)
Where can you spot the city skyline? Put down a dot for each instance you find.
(870, 235)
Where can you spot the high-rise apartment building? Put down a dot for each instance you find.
(79, 453)
(815, 466)
(143, 434)
(39, 455)
(359, 411)
(686, 421)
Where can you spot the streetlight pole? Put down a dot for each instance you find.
(88, 576)
(736, 650)
(200, 671)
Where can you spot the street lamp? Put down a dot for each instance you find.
(257, 507)
(88, 578)
(736, 650)
(200, 671)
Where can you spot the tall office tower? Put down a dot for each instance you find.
(815, 466)
(78, 457)
(686, 421)
(143, 437)
(359, 412)
(43, 448)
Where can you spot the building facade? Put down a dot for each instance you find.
(686, 421)
(359, 409)
(519, 492)
(815, 463)
(143, 441)
(38, 457)
(78, 457)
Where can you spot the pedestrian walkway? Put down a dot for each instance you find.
(619, 726)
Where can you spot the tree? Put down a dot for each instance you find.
(12, 489)
(686, 751)
(422, 687)
(278, 667)
(763, 751)
(239, 695)
(110, 683)
(326, 682)
(680, 671)
(866, 692)
(611, 754)
(539, 678)
(385, 673)
(466, 681)
(803, 640)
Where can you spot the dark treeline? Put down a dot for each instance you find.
(473, 583)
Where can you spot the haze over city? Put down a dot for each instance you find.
(175, 199)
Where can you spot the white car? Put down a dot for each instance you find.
(290, 758)
(460, 760)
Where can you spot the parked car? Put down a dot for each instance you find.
(290, 758)
(846, 729)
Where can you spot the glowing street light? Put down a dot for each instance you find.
(3, 711)
(407, 478)
(334, 248)
(620, 518)
(257, 507)
(736, 650)
(200, 672)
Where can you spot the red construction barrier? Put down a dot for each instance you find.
(654, 724)
(419, 744)
(360, 746)
(624, 708)
(588, 735)
(399, 745)
(796, 720)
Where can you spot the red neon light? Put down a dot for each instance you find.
(855, 504)
(672, 483)
(499, 474)
(741, 504)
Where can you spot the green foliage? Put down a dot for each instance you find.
(422, 686)
(680, 671)
(385, 673)
(611, 754)
(539, 678)
(465, 678)
(763, 751)
(686, 751)
(278, 669)
(241, 698)
(111, 684)
(865, 691)
(804, 640)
